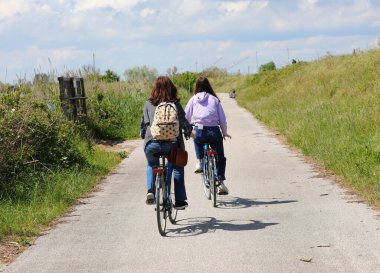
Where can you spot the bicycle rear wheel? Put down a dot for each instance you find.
(205, 180)
(212, 180)
(172, 211)
(160, 204)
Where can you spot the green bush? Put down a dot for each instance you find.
(34, 138)
(267, 67)
(115, 115)
(185, 80)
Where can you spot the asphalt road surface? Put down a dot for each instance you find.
(281, 216)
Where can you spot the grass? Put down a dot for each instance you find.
(22, 219)
(329, 109)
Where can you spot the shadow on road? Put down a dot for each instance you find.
(232, 202)
(197, 226)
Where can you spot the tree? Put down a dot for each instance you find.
(140, 74)
(185, 80)
(172, 71)
(111, 76)
(267, 67)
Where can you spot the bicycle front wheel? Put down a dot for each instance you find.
(212, 180)
(160, 204)
(205, 180)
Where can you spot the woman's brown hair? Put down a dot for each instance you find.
(203, 85)
(163, 90)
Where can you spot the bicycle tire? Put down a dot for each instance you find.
(160, 205)
(205, 180)
(211, 175)
(172, 211)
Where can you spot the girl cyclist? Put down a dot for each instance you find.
(206, 111)
(163, 91)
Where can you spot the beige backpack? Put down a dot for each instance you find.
(165, 125)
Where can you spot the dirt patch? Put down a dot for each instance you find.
(118, 145)
(9, 250)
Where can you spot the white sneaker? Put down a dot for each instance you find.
(222, 189)
(198, 168)
(149, 198)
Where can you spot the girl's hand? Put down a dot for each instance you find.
(226, 135)
(193, 133)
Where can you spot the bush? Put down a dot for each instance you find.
(115, 115)
(33, 138)
(185, 80)
(267, 67)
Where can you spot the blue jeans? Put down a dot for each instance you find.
(153, 150)
(212, 135)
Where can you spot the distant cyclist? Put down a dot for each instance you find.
(164, 91)
(207, 113)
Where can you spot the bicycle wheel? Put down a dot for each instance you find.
(172, 211)
(205, 181)
(211, 176)
(160, 204)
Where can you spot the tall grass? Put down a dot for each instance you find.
(330, 109)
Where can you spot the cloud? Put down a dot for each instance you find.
(233, 7)
(146, 12)
(124, 33)
(9, 8)
(118, 5)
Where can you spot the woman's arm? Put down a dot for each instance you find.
(185, 125)
(189, 110)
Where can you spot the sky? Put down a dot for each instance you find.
(66, 35)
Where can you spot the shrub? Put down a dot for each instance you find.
(33, 138)
(115, 115)
(267, 67)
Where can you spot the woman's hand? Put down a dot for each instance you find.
(226, 135)
(193, 133)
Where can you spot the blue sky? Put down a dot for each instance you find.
(64, 35)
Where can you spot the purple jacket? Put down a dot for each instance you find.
(207, 110)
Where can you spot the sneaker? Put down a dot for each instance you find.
(222, 189)
(180, 205)
(149, 198)
(198, 168)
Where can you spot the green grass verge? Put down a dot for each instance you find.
(330, 110)
(20, 220)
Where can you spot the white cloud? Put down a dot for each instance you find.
(189, 8)
(306, 5)
(118, 5)
(124, 33)
(146, 12)
(234, 7)
(9, 8)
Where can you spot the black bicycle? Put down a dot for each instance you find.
(210, 172)
(164, 205)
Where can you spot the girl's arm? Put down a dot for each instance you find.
(185, 125)
(189, 110)
(222, 119)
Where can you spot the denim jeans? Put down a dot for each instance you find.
(212, 135)
(153, 150)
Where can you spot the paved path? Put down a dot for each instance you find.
(279, 211)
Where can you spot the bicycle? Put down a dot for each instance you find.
(164, 205)
(209, 174)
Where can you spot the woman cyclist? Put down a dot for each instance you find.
(163, 91)
(206, 111)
